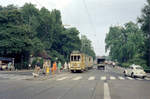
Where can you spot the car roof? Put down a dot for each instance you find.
(133, 65)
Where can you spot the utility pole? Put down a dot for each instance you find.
(148, 38)
(149, 43)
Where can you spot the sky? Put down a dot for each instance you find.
(91, 17)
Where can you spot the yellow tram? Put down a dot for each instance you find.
(80, 62)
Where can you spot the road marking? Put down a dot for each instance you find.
(112, 78)
(77, 78)
(130, 78)
(121, 78)
(147, 78)
(139, 79)
(61, 78)
(91, 78)
(103, 78)
(106, 91)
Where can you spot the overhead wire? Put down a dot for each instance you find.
(90, 20)
(39, 3)
(89, 16)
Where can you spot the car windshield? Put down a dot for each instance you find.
(139, 68)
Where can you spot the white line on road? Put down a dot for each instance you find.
(112, 78)
(77, 78)
(103, 78)
(147, 78)
(62, 78)
(121, 78)
(106, 91)
(91, 78)
(139, 79)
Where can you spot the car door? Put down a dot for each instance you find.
(129, 70)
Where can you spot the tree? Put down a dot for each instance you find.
(15, 37)
(86, 46)
(144, 20)
(28, 30)
(126, 44)
(70, 42)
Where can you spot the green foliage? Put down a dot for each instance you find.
(134, 47)
(126, 65)
(28, 30)
(37, 60)
(86, 46)
(144, 21)
(34, 62)
(41, 62)
(126, 44)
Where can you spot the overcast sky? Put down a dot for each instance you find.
(91, 17)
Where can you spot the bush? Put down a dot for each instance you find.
(126, 65)
(34, 62)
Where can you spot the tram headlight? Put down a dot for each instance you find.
(78, 65)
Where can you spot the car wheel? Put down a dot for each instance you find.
(125, 74)
(132, 75)
(143, 77)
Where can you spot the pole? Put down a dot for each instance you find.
(13, 59)
(149, 43)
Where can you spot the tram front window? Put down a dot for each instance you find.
(75, 58)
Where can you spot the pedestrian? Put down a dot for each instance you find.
(68, 66)
(59, 66)
(36, 71)
(9, 66)
(54, 68)
(65, 66)
(113, 64)
(29, 66)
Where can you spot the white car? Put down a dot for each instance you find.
(135, 71)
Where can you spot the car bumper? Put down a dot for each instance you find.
(140, 75)
(77, 68)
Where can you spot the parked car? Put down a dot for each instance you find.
(4, 66)
(135, 71)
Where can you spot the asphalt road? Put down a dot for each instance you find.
(94, 84)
